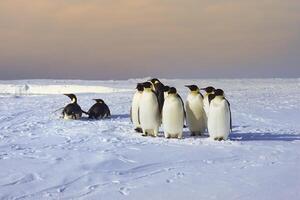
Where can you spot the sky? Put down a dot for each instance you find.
(122, 39)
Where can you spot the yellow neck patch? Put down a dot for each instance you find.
(195, 92)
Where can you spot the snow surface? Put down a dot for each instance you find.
(45, 157)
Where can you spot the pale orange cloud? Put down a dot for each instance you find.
(144, 36)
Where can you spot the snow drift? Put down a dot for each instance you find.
(45, 157)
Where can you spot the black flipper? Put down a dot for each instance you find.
(230, 114)
(157, 99)
(201, 95)
(108, 111)
(139, 116)
(160, 95)
(184, 113)
(85, 112)
(131, 114)
(58, 110)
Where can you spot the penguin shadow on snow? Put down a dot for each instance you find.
(263, 136)
(185, 134)
(119, 116)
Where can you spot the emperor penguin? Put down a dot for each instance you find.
(158, 88)
(219, 119)
(148, 112)
(173, 115)
(72, 110)
(209, 90)
(134, 110)
(166, 91)
(195, 114)
(99, 110)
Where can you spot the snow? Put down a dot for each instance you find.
(45, 157)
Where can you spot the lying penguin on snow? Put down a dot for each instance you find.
(72, 110)
(99, 110)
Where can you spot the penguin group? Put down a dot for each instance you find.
(73, 111)
(155, 104)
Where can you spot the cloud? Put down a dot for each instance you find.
(100, 37)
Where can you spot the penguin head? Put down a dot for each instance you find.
(154, 81)
(194, 88)
(72, 97)
(209, 89)
(166, 88)
(172, 90)
(99, 100)
(147, 86)
(219, 92)
(140, 87)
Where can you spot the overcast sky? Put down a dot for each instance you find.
(121, 39)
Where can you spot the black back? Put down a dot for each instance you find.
(72, 109)
(159, 88)
(99, 110)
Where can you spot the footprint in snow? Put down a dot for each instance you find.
(125, 160)
(178, 175)
(124, 191)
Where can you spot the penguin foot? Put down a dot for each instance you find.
(219, 138)
(199, 133)
(144, 134)
(155, 133)
(139, 130)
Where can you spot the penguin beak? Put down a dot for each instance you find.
(68, 95)
(188, 86)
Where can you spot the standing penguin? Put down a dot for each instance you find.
(195, 114)
(158, 88)
(149, 115)
(72, 110)
(99, 110)
(219, 119)
(134, 111)
(173, 115)
(209, 90)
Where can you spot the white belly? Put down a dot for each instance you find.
(134, 109)
(219, 119)
(173, 116)
(67, 117)
(206, 105)
(149, 111)
(195, 114)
